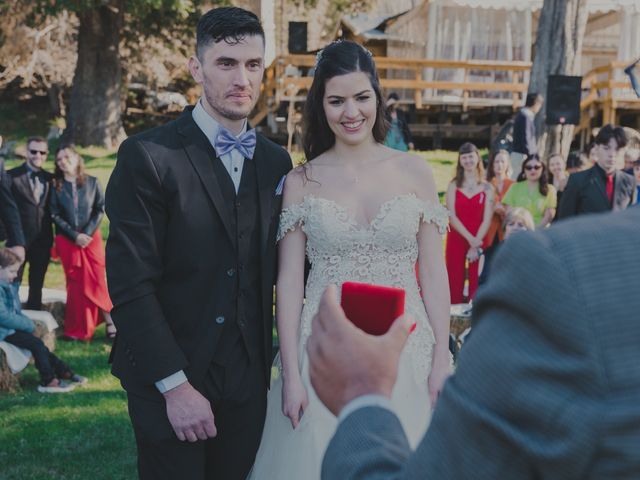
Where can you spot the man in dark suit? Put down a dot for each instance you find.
(603, 187)
(547, 386)
(525, 141)
(9, 214)
(191, 260)
(30, 187)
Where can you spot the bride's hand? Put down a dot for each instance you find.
(440, 371)
(294, 400)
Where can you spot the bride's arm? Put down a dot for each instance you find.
(435, 285)
(289, 298)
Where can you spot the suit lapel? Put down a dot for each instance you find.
(25, 186)
(201, 155)
(266, 190)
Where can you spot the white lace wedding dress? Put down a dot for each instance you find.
(339, 249)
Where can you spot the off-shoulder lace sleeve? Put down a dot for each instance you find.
(436, 214)
(290, 218)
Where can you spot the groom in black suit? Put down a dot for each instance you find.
(191, 264)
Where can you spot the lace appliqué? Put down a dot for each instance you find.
(384, 252)
(436, 214)
(290, 218)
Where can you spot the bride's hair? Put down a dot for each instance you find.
(338, 58)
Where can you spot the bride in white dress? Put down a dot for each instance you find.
(360, 212)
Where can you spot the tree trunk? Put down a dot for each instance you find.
(95, 105)
(56, 100)
(558, 52)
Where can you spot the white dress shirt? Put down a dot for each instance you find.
(232, 161)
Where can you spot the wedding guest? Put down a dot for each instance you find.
(558, 176)
(603, 187)
(9, 214)
(546, 388)
(77, 208)
(17, 329)
(518, 219)
(576, 162)
(533, 192)
(525, 142)
(470, 203)
(30, 187)
(630, 156)
(398, 136)
(499, 175)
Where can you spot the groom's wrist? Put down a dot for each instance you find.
(171, 382)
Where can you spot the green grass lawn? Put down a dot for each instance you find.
(86, 434)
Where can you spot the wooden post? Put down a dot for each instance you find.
(465, 92)
(292, 91)
(418, 91)
(515, 78)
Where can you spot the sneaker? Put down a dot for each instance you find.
(59, 387)
(78, 380)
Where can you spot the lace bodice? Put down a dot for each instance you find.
(384, 252)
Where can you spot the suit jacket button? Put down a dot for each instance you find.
(219, 320)
(231, 272)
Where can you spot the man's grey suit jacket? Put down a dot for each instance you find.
(548, 385)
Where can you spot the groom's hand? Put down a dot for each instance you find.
(189, 413)
(346, 362)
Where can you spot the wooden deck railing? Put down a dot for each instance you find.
(605, 89)
(287, 79)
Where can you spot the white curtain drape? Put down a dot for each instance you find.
(463, 33)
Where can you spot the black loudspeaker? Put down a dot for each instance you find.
(297, 37)
(563, 100)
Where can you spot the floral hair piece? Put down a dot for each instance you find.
(319, 54)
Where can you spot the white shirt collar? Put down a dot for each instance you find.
(208, 124)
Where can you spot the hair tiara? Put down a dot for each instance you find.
(335, 42)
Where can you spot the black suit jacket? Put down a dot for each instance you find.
(9, 214)
(170, 248)
(35, 217)
(586, 193)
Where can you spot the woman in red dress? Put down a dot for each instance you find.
(470, 203)
(77, 208)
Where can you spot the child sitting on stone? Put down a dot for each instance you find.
(16, 328)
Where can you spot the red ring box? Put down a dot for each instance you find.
(372, 308)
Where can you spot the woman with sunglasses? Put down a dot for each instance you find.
(533, 192)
